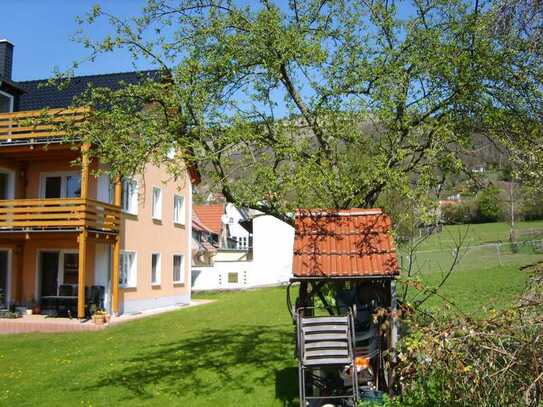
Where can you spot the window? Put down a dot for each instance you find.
(61, 186)
(157, 203)
(233, 278)
(7, 187)
(128, 269)
(155, 268)
(178, 209)
(53, 187)
(129, 197)
(106, 190)
(73, 186)
(178, 275)
(6, 102)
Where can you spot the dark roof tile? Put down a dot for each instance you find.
(40, 95)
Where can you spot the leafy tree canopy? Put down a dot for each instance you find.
(312, 103)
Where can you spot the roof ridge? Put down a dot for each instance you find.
(93, 75)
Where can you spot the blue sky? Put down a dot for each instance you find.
(41, 31)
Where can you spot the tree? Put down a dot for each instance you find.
(488, 205)
(312, 103)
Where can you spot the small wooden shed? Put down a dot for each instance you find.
(349, 256)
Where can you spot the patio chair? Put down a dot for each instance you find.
(326, 342)
(65, 290)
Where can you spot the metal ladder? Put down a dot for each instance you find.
(325, 342)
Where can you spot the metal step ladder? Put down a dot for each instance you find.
(325, 342)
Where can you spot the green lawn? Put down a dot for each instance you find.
(237, 351)
(487, 274)
(476, 234)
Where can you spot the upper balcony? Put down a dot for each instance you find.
(45, 183)
(36, 127)
(41, 215)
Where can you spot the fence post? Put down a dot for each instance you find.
(498, 252)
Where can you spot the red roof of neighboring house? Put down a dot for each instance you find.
(210, 216)
(343, 243)
(198, 225)
(445, 202)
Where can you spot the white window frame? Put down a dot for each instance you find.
(63, 181)
(182, 271)
(130, 282)
(157, 203)
(179, 217)
(131, 203)
(158, 269)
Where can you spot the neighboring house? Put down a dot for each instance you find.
(249, 249)
(66, 234)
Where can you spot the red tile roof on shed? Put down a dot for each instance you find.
(210, 216)
(343, 243)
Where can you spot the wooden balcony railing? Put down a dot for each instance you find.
(58, 214)
(37, 126)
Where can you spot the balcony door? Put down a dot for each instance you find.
(57, 268)
(4, 278)
(6, 184)
(61, 185)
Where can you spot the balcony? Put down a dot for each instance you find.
(41, 215)
(37, 126)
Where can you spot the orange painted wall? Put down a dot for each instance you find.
(31, 253)
(145, 236)
(139, 233)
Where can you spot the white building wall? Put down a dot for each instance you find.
(273, 242)
(234, 216)
(216, 277)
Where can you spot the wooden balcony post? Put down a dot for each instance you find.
(85, 171)
(81, 275)
(116, 254)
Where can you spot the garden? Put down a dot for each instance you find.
(235, 351)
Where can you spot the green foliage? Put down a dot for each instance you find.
(496, 361)
(462, 212)
(488, 205)
(532, 204)
(310, 103)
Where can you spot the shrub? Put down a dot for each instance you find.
(497, 361)
(457, 213)
(532, 205)
(488, 205)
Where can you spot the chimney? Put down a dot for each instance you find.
(6, 59)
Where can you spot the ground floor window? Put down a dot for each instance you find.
(128, 269)
(155, 268)
(178, 268)
(233, 278)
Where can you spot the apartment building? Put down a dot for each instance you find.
(70, 239)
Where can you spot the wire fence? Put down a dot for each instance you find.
(475, 257)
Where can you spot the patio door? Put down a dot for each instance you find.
(6, 184)
(4, 278)
(49, 266)
(58, 268)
